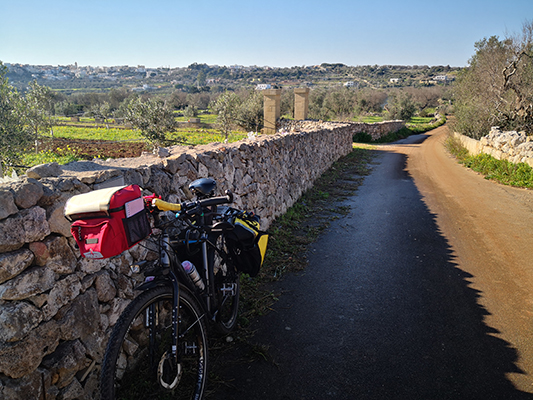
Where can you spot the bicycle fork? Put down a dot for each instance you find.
(168, 366)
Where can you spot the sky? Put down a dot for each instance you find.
(276, 33)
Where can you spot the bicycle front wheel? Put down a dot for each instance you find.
(138, 363)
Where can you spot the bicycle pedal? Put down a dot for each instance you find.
(228, 289)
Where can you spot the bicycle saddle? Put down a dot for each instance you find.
(203, 187)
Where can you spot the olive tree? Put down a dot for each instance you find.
(497, 87)
(251, 112)
(153, 117)
(227, 109)
(101, 111)
(400, 105)
(14, 133)
(38, 109)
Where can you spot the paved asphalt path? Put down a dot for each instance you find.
(385, 309)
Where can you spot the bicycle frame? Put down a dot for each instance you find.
(178, 279)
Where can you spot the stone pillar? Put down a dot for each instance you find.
(301, 103)
(272, 109)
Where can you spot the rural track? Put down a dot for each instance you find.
(422, 291)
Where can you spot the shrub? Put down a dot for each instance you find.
(362, 137)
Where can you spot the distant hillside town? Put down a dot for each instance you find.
(203, 77)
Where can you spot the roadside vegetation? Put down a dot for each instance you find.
(501, 171)
(497, 87)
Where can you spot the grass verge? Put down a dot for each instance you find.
(501, 171)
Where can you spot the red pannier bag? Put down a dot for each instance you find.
(108, 221)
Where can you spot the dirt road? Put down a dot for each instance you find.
(490, 229)
(423, 291)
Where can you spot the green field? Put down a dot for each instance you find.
(74, 132)
(204, 119)
(370, 119)
(420, 120)
(186, 136)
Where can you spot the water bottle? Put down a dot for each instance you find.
(193, 273)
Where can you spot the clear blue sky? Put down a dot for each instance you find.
(278, 33)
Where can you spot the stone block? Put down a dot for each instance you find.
(27, 193)
(22, 358)
(13, 263)
(33, 281)
(17, 319)
(61, 258)
(63, 292)
(301, 103)
(7, 204)
(44, 171)
(105, 288)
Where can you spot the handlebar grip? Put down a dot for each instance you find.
(214, 201)
(165, 206)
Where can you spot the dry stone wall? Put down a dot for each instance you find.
(516, 147)
(375, 130)
(57, 309)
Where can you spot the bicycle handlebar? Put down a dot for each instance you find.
(213, 201)
(165, 205)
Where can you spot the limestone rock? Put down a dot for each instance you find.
(40, 252)
(44, 170)
(73, 391)
(161, 152)
(62, 293)
(17, 319)
(65, 362)
(21, 358)
(7, 204)
(117, 306)
(125, 287)
(12, 234)
(105, 288)
(56, 219)
(159, 182)
(13, 263)
(90, 266)
(27, 193)
(80, 318)
(29, 387)
(33, 281)
(50, 193)
(25, 227)
(61, 258)
(35, 224)
(132, 177)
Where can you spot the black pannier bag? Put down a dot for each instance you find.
(247, 244)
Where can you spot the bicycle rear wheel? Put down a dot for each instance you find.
(138, 362)
(227, 287)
